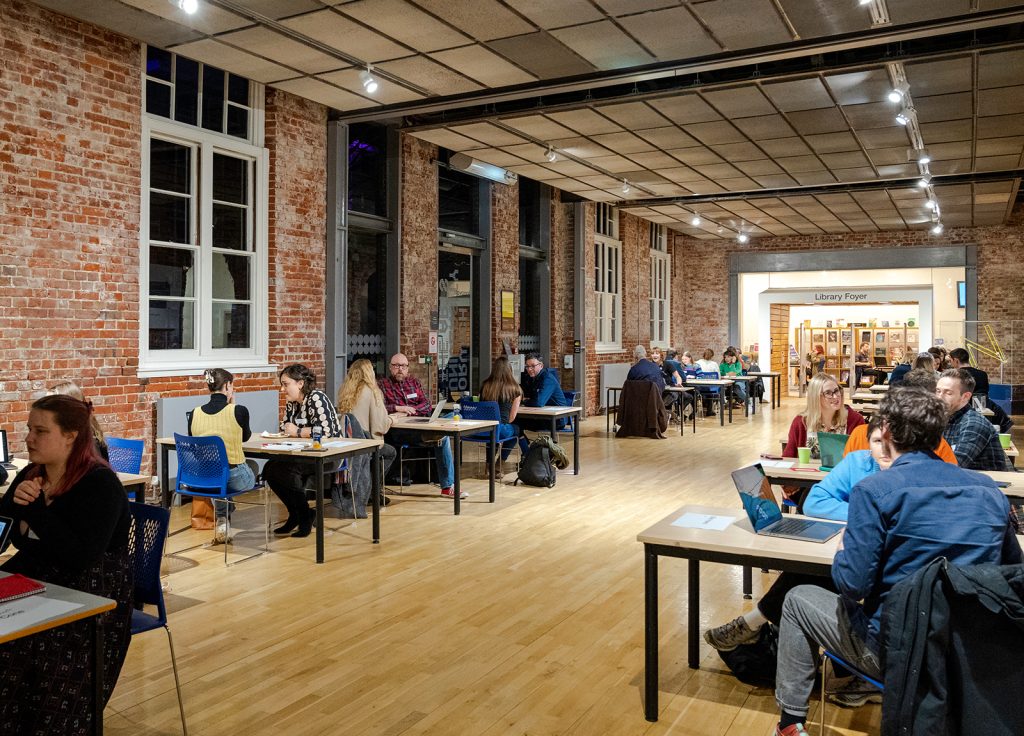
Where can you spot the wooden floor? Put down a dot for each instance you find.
(521, 617)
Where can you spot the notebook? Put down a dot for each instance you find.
(437, 412)
(17, 586)
(5, 455)
(831, 446)
(765, 516)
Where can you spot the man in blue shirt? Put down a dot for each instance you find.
(540, 388)
(899, 521)
(974, 439)
(645, 370)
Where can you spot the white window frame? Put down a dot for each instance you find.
(661, 287)
(205, 144)
(608, 292)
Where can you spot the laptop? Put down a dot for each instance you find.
(6, 524)
(879, 361)
(436, 413)
(766, 517)
(831, 446)
(5, 454)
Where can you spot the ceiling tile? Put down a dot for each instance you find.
(405, 23)
(738, 151)
(718, 171)
(799, 94)
(785, 147)
(1000, 146)
(530, 152)
(1000, 125)
(945, 151)
(951, 166)
(708, 133)
(344, 34)
(633, 115)
(832, 142)
(428, 74)
(1000, 69)
(667, 137)
(809, 122)
(937, 108)
(948, 130)
(940, 77)
(488, 134)
(499, 158)
(814, 178)
(482, 19)
(891, 137)
(698, 155)
(326, 94)
(744, 24)
(277, 9)
(1002, 101)
(653, 159)
(764, 126)
(252, 67)
(793, 164)
(746, 101)
(212, 20)
(870, 115)
(547, 14)
(538, 126)
(447, 139)
(603, 45)
(570, 168)
(812, 18)
(483, 65)
(623, 142)
(685, 109)
(858, 88)
(387, 93)
(585, 121)
(997, 163)
(855, 174)
(897, 171)
(614, 164)
(669, 34)
(534, 171)
(759, 168)
(580, 146)
(542, 55)
(844, 160)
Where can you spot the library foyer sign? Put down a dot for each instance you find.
(840, 297)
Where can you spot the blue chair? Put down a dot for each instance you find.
(203, 471)
(837, 660)
(146, 550)
(571, 397)
(487, 411)
(125, 456)
(709, 391)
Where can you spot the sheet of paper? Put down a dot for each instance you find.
(340, 443)
(31, 610)
(286, 445)
(776, 463)
(712, 522)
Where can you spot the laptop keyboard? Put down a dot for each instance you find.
(791, 526)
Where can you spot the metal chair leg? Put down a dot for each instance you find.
(177, 682)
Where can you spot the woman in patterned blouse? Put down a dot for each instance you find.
(307, 408)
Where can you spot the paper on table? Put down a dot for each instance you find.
(690, 520)
(776, 463)
(285, 445)
(341, 443)
(28, 611)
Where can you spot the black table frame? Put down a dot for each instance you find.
(694, 556)
(576, 416)
(776, 379)
(319, 463)
(722, 403)
(679, 407)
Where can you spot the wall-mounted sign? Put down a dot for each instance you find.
(840, 297)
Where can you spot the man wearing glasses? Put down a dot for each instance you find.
(540, 388)
(404, 397)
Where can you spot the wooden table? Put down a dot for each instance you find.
(257, 449)
(776, 377)
(721, 383)
(866, 396)
(88, 606)
(555, 413)
(455, 430)
(128, 480)
(735, 545)
(880, 387)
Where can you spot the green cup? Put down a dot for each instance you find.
(1004, 440)
(803, 454)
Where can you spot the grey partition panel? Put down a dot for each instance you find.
(170, 417)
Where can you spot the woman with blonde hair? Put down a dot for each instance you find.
(924, 362)
(361, 397)
(72, 389)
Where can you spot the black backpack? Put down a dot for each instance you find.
(754, 663)
(536, 468)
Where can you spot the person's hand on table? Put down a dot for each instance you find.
(401, 410)
(28, 491)
(292, 430)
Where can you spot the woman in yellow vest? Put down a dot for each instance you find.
(222, 417)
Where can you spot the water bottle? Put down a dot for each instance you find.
(456, 413)
(315, 434)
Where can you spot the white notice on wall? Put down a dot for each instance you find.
(30, 611)
(712, 522)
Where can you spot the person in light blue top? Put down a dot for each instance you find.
(830, 499)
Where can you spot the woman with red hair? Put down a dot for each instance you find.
(71, 524)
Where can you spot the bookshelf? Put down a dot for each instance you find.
(840, 343)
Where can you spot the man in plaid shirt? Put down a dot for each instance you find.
(974, 440)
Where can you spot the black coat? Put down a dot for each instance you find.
(641, 411)
(953, 652)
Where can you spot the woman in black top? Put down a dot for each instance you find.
(501, 386)
(307, 409)
(71, 523)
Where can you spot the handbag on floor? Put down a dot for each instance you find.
(202, 513)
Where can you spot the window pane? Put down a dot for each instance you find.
(230, 328)
(458, 202)
(171, 272)
(229, 227)
(238, 90)
(231, 276)
(367, 292)
(213, 99)
(238, 122)
(170, 166)
(367, 168)
(158, 99)
(171, 325)
(186, 91)
(169, 218)
(158, 63)
(230, 179)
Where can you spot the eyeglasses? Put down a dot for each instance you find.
(533, 365)
(399, 365)
(833, 393)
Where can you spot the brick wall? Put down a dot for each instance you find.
(504, 265)
(70, 152)
(563, 285)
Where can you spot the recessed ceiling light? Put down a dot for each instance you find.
(369, 83)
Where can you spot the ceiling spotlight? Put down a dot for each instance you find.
(625, 186)
(903, 116)
(189, 6)
(899, 92)
(925, 180)
(743, 237)
(924, 158)
(865, 2)
(369, 83)
(931, 204)
(551, 156)
(937, 228)
(695, 221)
(720, 230)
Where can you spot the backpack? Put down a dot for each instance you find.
(536, 468)
(754, 663)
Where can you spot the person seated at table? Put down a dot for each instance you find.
(960, 358)
(222, 417)
(672, 369)
(899, 521)
(923, 362)
(501, 388)
(404, 397)
(974, 439)
(71, 523)
(686, 360)
(307, 408)
(540, 388)
(729, 367)
(864, 366)
(360, 396)
(644, 369)
(824, 412)
(707, 363)
(899, 371)
(749, 363)
(72, 389)
(656, 355)
(941, 357)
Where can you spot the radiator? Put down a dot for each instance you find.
(613, 375)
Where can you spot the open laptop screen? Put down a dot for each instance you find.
(5, 456)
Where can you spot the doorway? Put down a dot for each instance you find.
(458, 344)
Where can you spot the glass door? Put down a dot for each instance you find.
(457, 339)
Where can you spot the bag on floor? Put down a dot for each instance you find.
(202, 513)
(536, 468)
(754, 663)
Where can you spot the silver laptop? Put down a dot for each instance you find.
(766, 517)
(436, 413)
(5, 454)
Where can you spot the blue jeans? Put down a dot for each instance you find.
(506, 432)
(813, 617)
(242, 477)
(445, 463)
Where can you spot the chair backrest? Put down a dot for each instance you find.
(572, 397)
(484, 410)
(708, 374)
(125, 455)
(146, 538)
(202, 464)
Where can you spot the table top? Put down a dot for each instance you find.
(32, 622)
(547, 411)
(269, 446)
(737, 538)
(748, 377)
(679, 389)
(812, 472)
(764, 373)
(127, 479)
(446, 425)
(880, 387)
(867, 396)
(709, 382)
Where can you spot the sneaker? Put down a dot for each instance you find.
(687, 411)
(854, 693)
(728, 636)
(220, 536)
(797, 729)
(449, 492)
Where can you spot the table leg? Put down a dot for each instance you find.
(721, 407)
(650, 634)
(457, 459)
(376, 488)
(97, 676)
(730, 412)
(693, 615)
(748, 582)
(320, 510)
(693, 416)
(777, 391)
(492, 447)
(165, 476)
